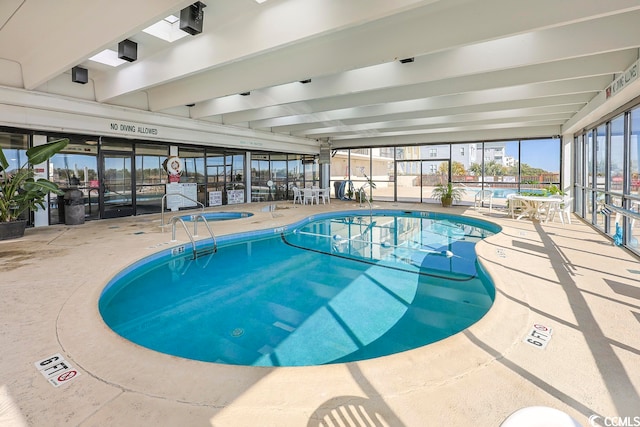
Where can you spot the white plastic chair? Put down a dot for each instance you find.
(514, 205)
(308, 196)
(325, 193)
(562, 207)
(484, 196)
(297, 195)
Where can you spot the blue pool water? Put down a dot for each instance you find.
(332, 288)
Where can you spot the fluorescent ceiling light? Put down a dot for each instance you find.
(168, 29)
(260, 1)
(108, 57)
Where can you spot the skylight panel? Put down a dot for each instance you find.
(108, 57)
(168, 29)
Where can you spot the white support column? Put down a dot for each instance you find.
(567, 164)
(41, 216)
(247, 174)
(325, 175)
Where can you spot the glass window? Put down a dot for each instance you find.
(408, 180)
(382, 173)
(225, 172)
(634, 155)
(589, 157)
(473, 162)
(616, 158)
(540, 163)
(501, 167)
(579, 174)
(601, 156)
(115, 144)
(14, 146)
(312, 170)
(295, 172)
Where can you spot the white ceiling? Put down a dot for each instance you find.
(483, 69)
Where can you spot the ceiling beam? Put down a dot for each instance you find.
(417, 32)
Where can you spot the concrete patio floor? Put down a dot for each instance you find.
(566, 277)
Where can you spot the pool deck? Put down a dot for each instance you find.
(566, 277)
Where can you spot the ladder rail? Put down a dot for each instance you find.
(173, 221)
(195, 219)
(201, 216)
(164, 197)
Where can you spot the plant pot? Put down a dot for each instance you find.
(446, 202)
(12, 229)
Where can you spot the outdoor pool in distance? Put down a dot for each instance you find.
(333, 288)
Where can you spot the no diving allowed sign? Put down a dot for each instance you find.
(56, 370)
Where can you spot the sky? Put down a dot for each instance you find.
(541, 153)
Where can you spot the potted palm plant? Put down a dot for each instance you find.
(447, 194)
(20, 190)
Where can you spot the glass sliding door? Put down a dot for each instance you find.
(408, 181)
(260, 176)
(416, 179)
(117, 192)
(151, 177)
(278, 165)
(434, 172)
(295, 173)
(75, 167)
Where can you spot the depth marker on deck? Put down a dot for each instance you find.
(539, 336)
(56, 370)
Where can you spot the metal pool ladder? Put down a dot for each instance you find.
(195, 219)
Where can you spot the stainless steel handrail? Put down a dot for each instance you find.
(206, 223)
(162, 224)
(195, 219)
(173, 221)
(622, 211)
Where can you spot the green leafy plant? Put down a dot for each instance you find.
(447, 193)
(19, 190)
(553, 190)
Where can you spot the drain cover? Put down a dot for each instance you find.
(237, 332)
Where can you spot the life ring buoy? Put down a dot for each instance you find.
(174, 165)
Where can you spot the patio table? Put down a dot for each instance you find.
(532, 206)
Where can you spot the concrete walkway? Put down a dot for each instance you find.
(565, 277)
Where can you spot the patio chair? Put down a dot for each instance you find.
(325, 194)
(482, 197)
(514, 205)
(297, 195)
(563, 208)
(308, 196)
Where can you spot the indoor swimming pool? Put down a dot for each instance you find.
(333, 288)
